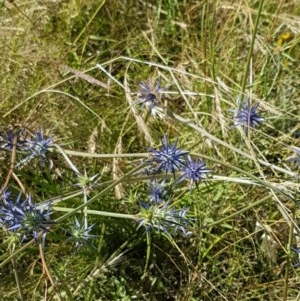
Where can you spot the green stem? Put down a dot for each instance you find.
(148, 238)
(103, 192)
(250, 53)
(89, 22)
(97, 261)
(222, 220)
(8, 259)
(85, 210)
(243, 172)
(79, 192)
(287, 267)
(97, 212)
(225, 144)
(17, 278)
(104, 156)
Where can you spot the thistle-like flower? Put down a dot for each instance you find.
(157, 192)
(85, 182)
(79, 234)
(194, 171)
(297, 251)
(25, 217)
(39, 146)
(151, 92)
(169, 158)
(6, 196)
(7, 140)
(247, 115)
(297, 158)
(163, 218)
(150, 95)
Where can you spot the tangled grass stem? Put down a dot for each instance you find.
(103, 192)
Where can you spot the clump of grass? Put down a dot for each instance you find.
(118, 119)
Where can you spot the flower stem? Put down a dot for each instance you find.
(97, 212)
(17, 278)
(103, 192)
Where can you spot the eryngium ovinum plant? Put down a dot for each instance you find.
(29, 219)
(163, 169)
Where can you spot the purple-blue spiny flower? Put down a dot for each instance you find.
(157, 191)
(163, 218)
(6, 196)
(297, 158)
(297, 251)
(247, 115)
(169, 158)
(150, 91)
(39, 145)
(8, 137)
(194, 171)
(25, 217)
(79, 234)
(150, 95)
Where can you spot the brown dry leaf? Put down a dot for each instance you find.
(86, 77)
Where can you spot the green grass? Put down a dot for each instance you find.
(245, 215)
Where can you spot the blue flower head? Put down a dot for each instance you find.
(169, 158)
(7, 140)
(163, 218)
(157, 191)
(297, 251)
(150, 95)
(79, 234)
(6, 196)
(297, 158)
(247, 115)
(194, 171)
(39, 145)
(25, 217)
(150, 91)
